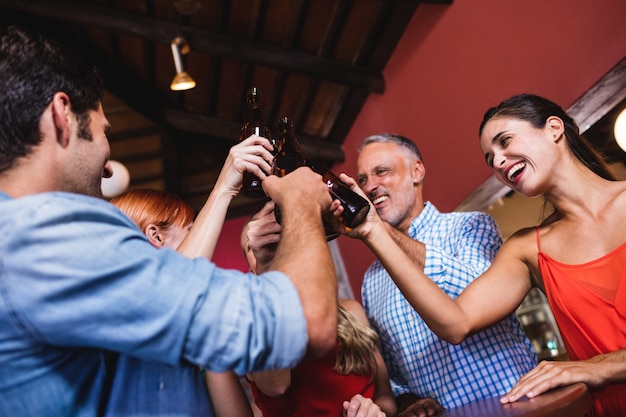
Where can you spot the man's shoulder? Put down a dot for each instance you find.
(435, 216)
(52, 197)
(60, 205)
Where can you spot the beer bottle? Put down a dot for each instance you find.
(289, 157)
(253, 125)
(355, 207)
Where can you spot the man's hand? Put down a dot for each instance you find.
(260, 237)
(410, 405)
(302, 190)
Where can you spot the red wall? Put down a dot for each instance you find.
(455, 61)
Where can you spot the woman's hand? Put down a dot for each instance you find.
(254, 155)
(594, 372)
(371, 223)
(359, 406)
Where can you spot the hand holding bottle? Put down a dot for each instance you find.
(300, 194)
(254, 126)
(289, 157)
(370, 221)
(354, 206)
(254, 156)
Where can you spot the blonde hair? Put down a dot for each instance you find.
(357, 345)
(146, 206)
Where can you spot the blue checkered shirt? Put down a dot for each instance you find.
(459, 247)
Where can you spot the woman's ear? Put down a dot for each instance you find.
(155, 235)
(556, 126)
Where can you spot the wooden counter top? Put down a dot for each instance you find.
(571, 401)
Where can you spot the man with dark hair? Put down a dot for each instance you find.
(80, 284)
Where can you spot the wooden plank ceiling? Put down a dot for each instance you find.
(314, 61)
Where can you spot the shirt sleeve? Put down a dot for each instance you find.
(474, 243)
(78, 273)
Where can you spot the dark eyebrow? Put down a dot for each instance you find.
(497, 136)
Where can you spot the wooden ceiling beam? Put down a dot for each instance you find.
(83, 13)
(130, 90)
(207, 126)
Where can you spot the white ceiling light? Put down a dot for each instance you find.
(117, 183)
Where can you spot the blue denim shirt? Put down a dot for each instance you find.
(80, 284)
(148, 388)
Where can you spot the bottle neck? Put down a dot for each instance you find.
(288, 141)
(255, 114)
(289, 157)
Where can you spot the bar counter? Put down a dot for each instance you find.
(570, 401)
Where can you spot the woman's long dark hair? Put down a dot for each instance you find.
(536, 110)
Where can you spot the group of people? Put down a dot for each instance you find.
(116, 309)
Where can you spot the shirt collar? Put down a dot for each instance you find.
(424, 219)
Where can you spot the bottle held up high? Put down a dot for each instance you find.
(355, 207)
(289, 158)
(254, 125)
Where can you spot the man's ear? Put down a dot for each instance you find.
(418, 170)
(155, 235)
(62, 117)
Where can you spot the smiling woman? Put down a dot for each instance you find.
(577, 255)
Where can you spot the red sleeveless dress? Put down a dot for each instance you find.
(589, 305)
(315, 391)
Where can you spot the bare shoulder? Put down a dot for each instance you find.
(521, 250)
(620, 193)
(523, 238)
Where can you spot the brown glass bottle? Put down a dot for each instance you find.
(254, 125)
(288, 156)
(355, 207)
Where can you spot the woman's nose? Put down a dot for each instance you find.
(499, 160)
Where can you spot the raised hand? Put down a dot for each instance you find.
(254, 155)
(302, 190)
(371, 220)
